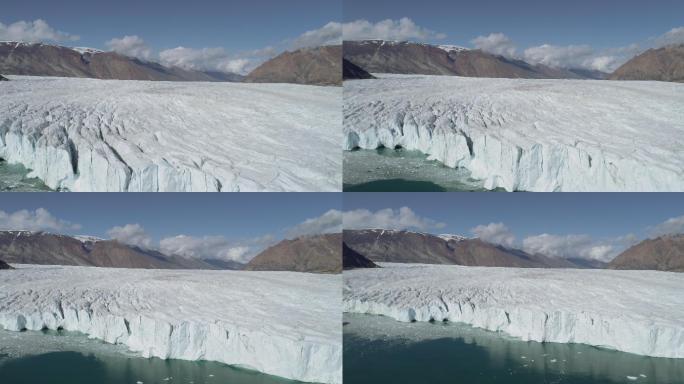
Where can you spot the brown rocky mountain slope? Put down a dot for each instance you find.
(318, 254)
(352, 71)
(381, 245)
(665, 253)
(379, 56)
(352, 259)
(35, 59)
(314, 66)
(663, 64)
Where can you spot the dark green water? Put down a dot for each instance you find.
(68, 358)
(381, 350)
(394, 170)
(13, 178)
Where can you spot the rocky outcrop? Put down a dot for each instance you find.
(379, 56)
(665, 253)
(352, 71)
(314, 66)
(35, 59)
(317, 254)
(4, 265)
(662, 64)
(2, 78)
(381, 245)
(352, 259)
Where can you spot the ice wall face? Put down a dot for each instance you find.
(281, 323)
(533, 135)
(639, 312)
(110, 135)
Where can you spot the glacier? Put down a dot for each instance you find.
(286, 324)
(528, 134)
(639, 312)
(143, 136)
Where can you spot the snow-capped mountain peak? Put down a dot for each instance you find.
(451, 237)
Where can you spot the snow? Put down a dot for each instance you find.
(450, 237)
(640, 312)
(88, 238)
(452, 48)
(282, 323)
(84, 50)
(114, 135)
(528, 134)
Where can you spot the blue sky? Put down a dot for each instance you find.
(598, 224)
(585, 34)
(236, 25)
(229, 226)
(229, 36)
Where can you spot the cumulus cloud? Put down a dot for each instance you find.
(329, 222)
(388, 218)
(496, 233)
(33, 31)
(568, 246)
(131, 234)
(132, 46)
(402, 29)
(673, 36)
(671, 226)
(329, 34)
(38, 220)
(204, 59)
(496, 43)
(205, 247)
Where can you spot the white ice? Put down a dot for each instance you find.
(282, 323)
(524, 134)
(113, 135)
(640, 312)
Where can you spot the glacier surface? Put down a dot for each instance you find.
(640, 312)
(528, 134)
(286, 324)
(114, 135)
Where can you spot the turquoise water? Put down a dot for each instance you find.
(13, 178)
(380, 350)
(70, 358)
(390, 170)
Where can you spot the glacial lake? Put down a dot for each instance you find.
(391, 170)
(378, 349)
(13, 178)
(51, 357)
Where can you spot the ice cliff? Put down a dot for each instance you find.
(523, 134)
(112, 135)
(281, 323)
(639, 312)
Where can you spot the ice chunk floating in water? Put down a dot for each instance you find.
(528, 134)
(113, 135)
(286, 324)
(639, 312)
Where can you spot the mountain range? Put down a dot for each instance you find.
(317, 253)
(380, 56)
(317, 66)
(382, 245)
(37, 59)
(664, 64)
(25, 247)
(664, 253)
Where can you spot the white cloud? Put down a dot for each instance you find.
(673, 36)
(131, 234)
(204, 59)
(329, 34)
(402, 218)
(33, 31)
(496, 43)
(671, 226)
(496, 233)
(38, 220)
(402, 29)
(567, 246)
(329, 222)
(132, 46)
(205, 247)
